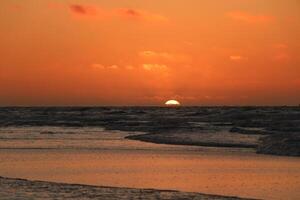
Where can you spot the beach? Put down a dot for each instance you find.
(25, 190)
(119, 152)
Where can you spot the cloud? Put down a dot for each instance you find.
(100, 66)
(113, 67)
(156, 55)
(150, 67)
(163, 56)
(237, 58)
(250, 18)
(83, 10)
(184, 97)
(130, 13)
(121, 13)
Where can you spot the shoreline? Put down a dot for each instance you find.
(158, 138)
(33, 189)
(269, 130)
(287, 145)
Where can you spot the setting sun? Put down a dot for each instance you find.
(172, 103)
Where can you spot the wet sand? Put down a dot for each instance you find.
(211, 171)
(27, 190)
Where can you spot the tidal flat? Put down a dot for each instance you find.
(275, 129)
(220, 151)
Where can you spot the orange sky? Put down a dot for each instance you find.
(143, 52)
